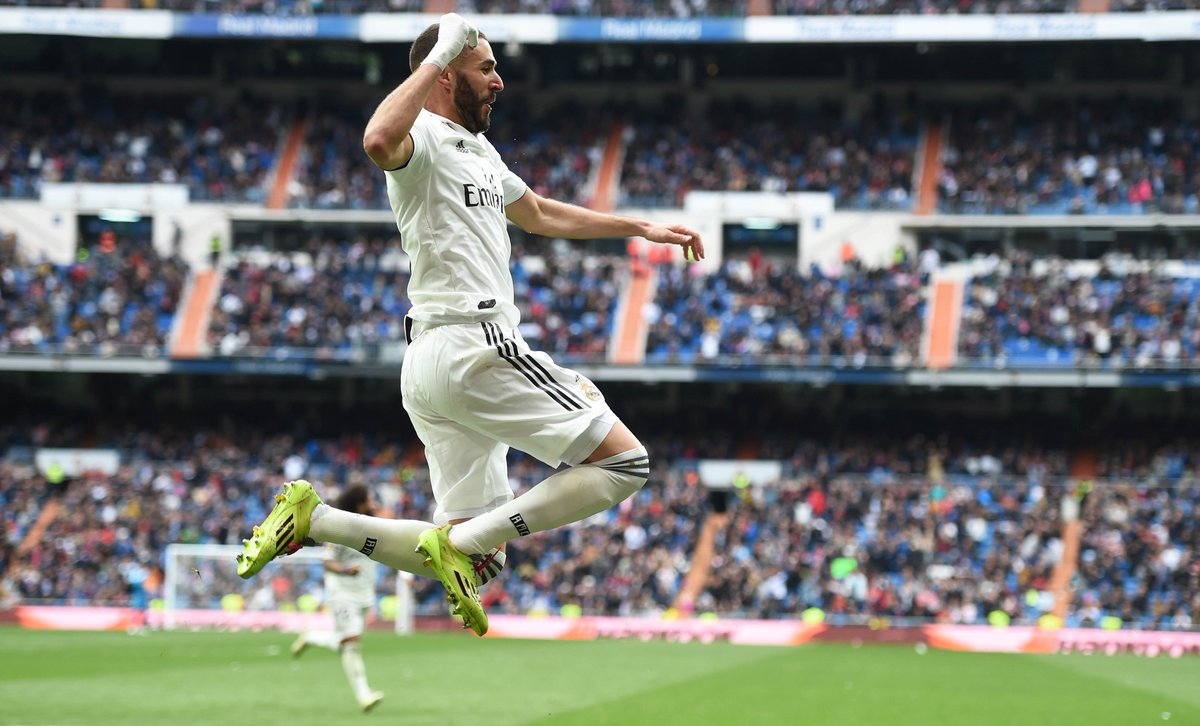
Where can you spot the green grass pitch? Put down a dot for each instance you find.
(227, 679)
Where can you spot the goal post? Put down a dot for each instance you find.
(201, 589)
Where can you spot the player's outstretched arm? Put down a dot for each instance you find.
(386, 138)
(549, 218)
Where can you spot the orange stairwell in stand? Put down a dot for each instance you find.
(45, 518)
(285, 168)
(1084, 465)
(607, 176)
(189, 341)
(36, 531)
(701, 563)
(929, 170)
(940, 347)
(942, 321)
(628, 346)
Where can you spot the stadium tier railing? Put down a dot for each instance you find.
(130, 358)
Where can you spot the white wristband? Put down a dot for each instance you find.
(454, 32)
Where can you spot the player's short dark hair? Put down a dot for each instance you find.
(423, 44)
(353, 498)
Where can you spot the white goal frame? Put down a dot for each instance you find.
(175, 574)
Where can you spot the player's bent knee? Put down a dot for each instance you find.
(627, 472)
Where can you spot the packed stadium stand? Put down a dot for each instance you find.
(867, 528)
(757, 309)
(865, 162)
(319, 301)
(221, 153)
(107, 301)
(1124, 156)
(1046, 311)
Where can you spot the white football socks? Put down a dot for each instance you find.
(565, 497)
(392, 542)
(356, 672)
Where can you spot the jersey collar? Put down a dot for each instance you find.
(450, 124)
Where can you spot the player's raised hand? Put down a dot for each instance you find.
(677, 234)
(454, 33)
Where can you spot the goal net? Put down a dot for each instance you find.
(201, 589)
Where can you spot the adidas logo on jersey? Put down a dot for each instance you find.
(461, 147)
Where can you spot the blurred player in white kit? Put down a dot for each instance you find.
(349, 595)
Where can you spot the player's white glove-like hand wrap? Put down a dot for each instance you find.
(454, 32)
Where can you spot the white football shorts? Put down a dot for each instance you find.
(349, 619)
(474, 390)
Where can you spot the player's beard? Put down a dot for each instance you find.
(471, 109)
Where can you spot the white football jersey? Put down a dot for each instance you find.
(449, 204)
(358, 589)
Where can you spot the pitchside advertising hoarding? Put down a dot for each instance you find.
(975, 638)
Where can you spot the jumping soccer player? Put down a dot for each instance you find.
(471, 385)
(349, 594)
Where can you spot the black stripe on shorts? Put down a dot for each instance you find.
(507, 350)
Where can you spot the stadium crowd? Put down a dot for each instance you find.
(866, 163)
(755, 307)
(327, 301)
(918, 528)
(1021, 309)
(341, 299)
(120, 295)
(334, 299)
(1061, 157)
(221, 154)
(1071, 157)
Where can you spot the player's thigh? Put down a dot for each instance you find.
(467, 469)
(349, 619)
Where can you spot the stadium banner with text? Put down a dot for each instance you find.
(53, 617)
(86, 23)
(293, 621)
(975, 638)
(744, 632)
(641, 30)
(326, 27)
(972, 28)
(982, 638)
(405, 27)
